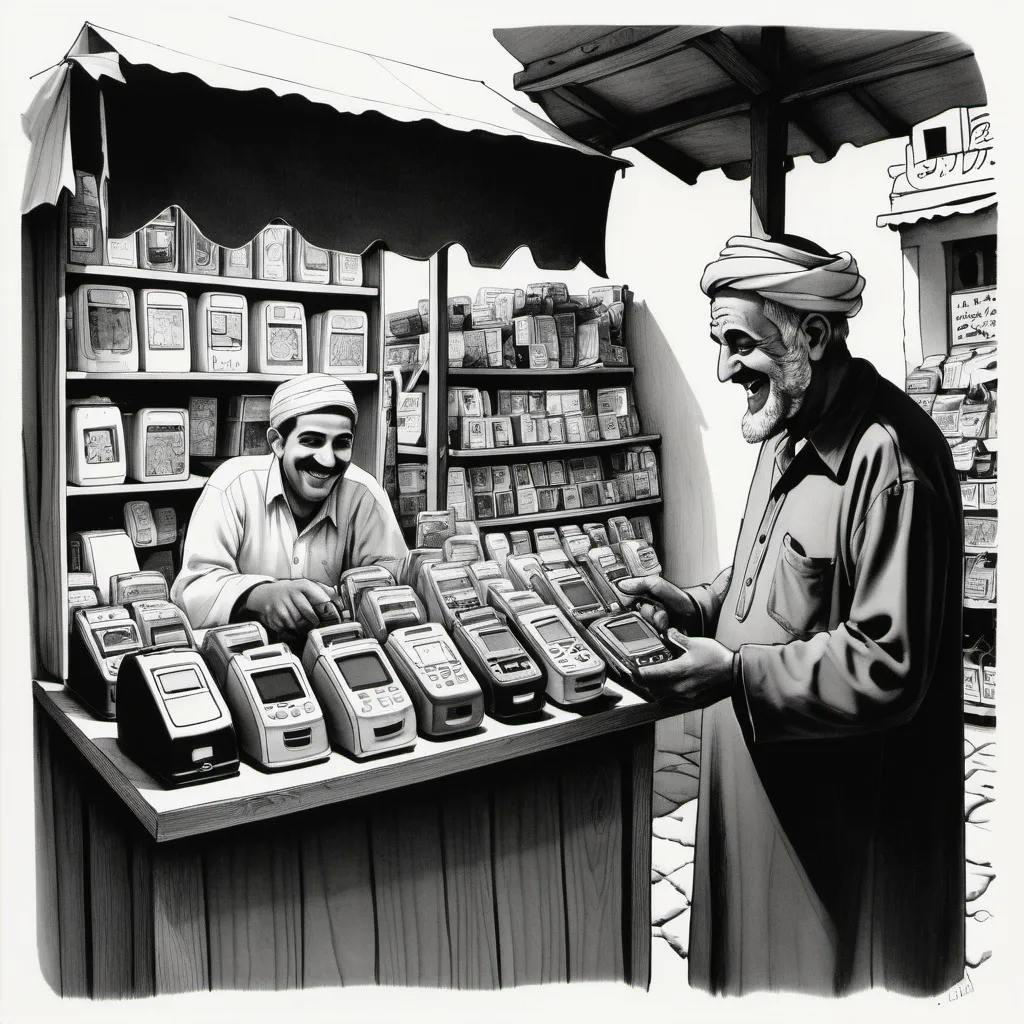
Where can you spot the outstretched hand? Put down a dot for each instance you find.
(662, 603)
(701, 675)
(289, 606)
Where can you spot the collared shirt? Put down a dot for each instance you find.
(242, 532)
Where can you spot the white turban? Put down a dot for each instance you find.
(791, 277)
(310, 393)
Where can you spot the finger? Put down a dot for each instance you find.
(315, 593)
(289, 617)
(678, 639)
(677, 670)
(327, 612)
(304, 610)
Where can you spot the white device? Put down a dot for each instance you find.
(597, 533)
(512, 682)
(220, 342)
(277, 716)
(354, 581)
(521, 569)
(498, 548)
(575, 543)
(511, 602)
(367, 709)
(162, 624)
(569, 590)
(574, 672)
(419, 557)
(105, 333)
(96, 444)
(158, 242)
(310, 264)
(100, 638)
(463, 548)
(548, 547)
(605, 567)
(172, 720)
(277, 337)
(106, 553)
(144, 585)
(346, 269)
(639, 557)
(165, 342)
(157, 442)
(272, 252)
(383, 609)
(139, 524)
(627, 642)
(480, 573)
(337, 342)
(222, 643)
(449, 591)
(446, 696)
(323, 638)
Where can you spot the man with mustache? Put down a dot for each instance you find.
(830, 835)
(271, 534)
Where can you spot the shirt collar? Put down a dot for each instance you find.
(275, 490)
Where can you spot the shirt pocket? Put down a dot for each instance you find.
(801, 591)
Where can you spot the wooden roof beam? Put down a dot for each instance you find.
(718, 47)
(677, 117)
(931, 51)
(609, 55)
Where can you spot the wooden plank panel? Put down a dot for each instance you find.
(637, 884)
(179, 920)
(469, 888)
(529, 896)
(47, 903)
(254, 910)
(412, 926)
(143, 960)
(71, 881)
(110, 900)
(592, 830)
(339, 931)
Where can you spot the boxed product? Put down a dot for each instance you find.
(980, 532)
(501, 478)
(954, 374)
(557, 474)
(606, 294)
(609, 492)
(946, 413)
(475, 348)
(526, 500)
(538, 357)
(590, 495)
(406, 324)
(543, 429)
(548, 499)
(248, 421)
(409, 417)
(456, 348)
(539, 474)
(524, 429)
(202, 422)
(521, 475)
(575, 428)
(593, 427)
(970, 493)
(480, 480)
(927, 378)
(571, 496)
(434, 528)
(565, 325)
(556, 430)
(412, 478)
(504, 504)
(500, 431)
(473, 433)
(588, 346)
(483, 504)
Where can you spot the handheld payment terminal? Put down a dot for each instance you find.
(463, 548)
(446, 696)
(100, 639)
(144, 585)
(498, 548)
(512, 682)
(574, 672)
(605, 568)
(222, 643)
(575, 543)
(597, 533)
(549, 548)
(509, 603)
(418, 558)
(386, 608)
(619, 529)
(522, 568)
(324, 638)
(628, 643)
(172, 719)
(449, 591)
(354, 581)
(480, 573)
(569, 590)
(500, 586)
(520, 542)
(639, 557)
(162, 624)
(367, 709)
(106, 553)
(277, 716)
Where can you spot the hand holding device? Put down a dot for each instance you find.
(702, 675)
(288, 606)
(663, 604)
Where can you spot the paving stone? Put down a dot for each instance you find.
(668, 970)
(677, 933)
(686, 814)
(667, 902)
(682, 880)
(978, 881)
(672, 828)
(671, 734)
(667, 856)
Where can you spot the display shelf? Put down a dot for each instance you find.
(597, 512)
(980, 549)
(412, 449)
(198, 377)
(215, 282)
(980, 511)
(543, 449)
(195, 482)
(986, 606)
(981, 710)
(466, 372)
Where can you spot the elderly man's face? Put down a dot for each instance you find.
(772, 365)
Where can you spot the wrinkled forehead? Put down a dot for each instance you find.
(742, 310)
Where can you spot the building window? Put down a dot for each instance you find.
(934, 143)
(973, 263)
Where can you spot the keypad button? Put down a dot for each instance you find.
(384, 702)
(281, 713)
(296, 712)
(308, 707)
(398, 699)
(450, 682)
(749, 580)
(393, 689)
(761, 539)
(445, 672)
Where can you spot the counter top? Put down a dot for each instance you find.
(254, 795)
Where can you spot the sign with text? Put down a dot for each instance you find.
(972, 316)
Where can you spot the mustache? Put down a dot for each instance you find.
(311, 465)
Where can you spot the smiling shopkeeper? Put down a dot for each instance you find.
(271, 534)
(829, 851)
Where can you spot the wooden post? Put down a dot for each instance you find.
(769, 130)
(437, 390)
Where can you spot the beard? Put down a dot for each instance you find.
(788, 381)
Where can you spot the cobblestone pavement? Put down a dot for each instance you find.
(676, 768)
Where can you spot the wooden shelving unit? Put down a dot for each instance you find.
(514, 451)
(195, 482)
(596, 512)
(202, 379)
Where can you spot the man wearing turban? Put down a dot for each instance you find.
(271, 534)
(830, 836)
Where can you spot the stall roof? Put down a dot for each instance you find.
(682, 94)
(400, 135)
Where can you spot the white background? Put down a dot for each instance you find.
(661, 233)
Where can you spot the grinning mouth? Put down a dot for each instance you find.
(319, 475)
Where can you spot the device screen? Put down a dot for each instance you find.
(578, 593)
(245, 645)
(100, 446)
(168, 635)
(498, 640)
(455, 583)
(180, 680)
(616, 573)
(629, 632)
(362, 671)
(283, 344)
(277, 684)
(432, 654)
(115, 639)
(110, 329)
(166, 328)
(225, 330)
(552, 631)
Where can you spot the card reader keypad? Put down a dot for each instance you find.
(569, 654)
(289, 709)
(382, 698)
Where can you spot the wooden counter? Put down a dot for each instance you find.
(517, 854)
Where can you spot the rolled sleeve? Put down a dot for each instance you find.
(708, 598)
(872, 671)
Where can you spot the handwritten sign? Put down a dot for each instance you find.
(972, 316)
